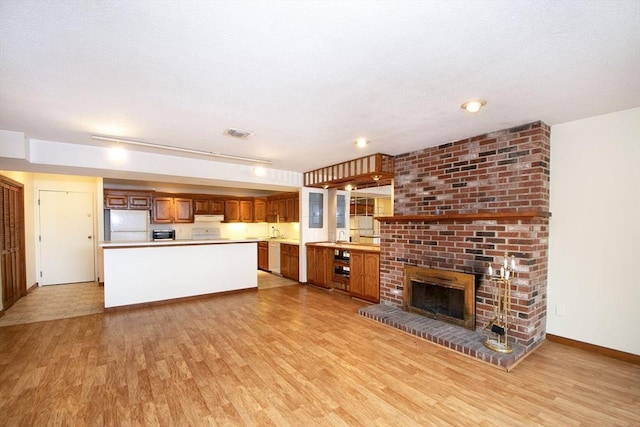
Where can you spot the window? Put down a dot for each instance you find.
(315, 210)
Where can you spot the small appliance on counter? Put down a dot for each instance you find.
(163, 234)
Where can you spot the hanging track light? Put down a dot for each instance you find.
(180, 149)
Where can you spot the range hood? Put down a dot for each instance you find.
(208, 218)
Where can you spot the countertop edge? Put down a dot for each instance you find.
(349, 246)
(161, 243)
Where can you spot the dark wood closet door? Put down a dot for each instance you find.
(12, 256)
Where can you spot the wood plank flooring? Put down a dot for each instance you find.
(288, 356)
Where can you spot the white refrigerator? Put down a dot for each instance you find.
(129, 225)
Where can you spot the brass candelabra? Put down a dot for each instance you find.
(499, 324)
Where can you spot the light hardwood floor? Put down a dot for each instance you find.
(79, 299)
(290, 355)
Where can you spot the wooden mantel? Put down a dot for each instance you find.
(453, 217)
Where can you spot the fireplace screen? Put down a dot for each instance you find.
(440, 294)
(438, 300)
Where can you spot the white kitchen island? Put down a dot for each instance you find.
(144, 272)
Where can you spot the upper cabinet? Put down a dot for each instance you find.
(283, 207)
(127, 199)
(246, 210)
(171, 210)
(238, 210)
(203, 205)
(260, 210)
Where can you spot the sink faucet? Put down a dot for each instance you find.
(276, 233)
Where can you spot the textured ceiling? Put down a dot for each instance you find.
(310, 77)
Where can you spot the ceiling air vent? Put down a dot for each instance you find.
(236, 133)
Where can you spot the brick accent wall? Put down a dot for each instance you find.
(502, 171)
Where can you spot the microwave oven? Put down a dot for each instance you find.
(163, 234)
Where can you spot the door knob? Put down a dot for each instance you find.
(89, 237)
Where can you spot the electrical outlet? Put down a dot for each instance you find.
(561, 310)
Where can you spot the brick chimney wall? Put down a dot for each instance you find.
(503, 171)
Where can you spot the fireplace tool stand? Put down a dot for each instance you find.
(500, 322)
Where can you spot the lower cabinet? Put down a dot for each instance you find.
(263, 256)
(319, 265)
(289, 261)
(365, 276)
(350, 269)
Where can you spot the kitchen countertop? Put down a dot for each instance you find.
(179, 242)
(347, 245)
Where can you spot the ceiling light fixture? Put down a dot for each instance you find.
(117, 153)
(259, 171)
(474, 105)
(183, 150)
(361, 142)
(348, 187)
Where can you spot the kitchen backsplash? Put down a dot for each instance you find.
(235, 230)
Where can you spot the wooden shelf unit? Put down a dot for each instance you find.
(373, 170)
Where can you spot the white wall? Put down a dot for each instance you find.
(594, 244)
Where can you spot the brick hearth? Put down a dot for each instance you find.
(444, 334)
(502, 172)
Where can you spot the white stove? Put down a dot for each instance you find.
(211, 233)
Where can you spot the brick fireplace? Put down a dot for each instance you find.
(464, 204)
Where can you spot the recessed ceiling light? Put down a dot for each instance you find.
(259, 171)
(474, 105)
(361, 142)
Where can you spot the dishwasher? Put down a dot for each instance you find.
(274, 257)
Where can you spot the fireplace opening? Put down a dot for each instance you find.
(440, 294)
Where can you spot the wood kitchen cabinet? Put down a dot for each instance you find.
(183, 210)
(319, 266)
(296, 208)
(208, 206)
(162, 211)
(263, 256)
(283, 207)
(365, 275)
(259, 210)
(290, 261)
(167, 210)
(246, 210)
(231, 210)
(272, 210)
(238, 210)
(127, 199)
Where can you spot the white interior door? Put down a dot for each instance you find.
(66, 237)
